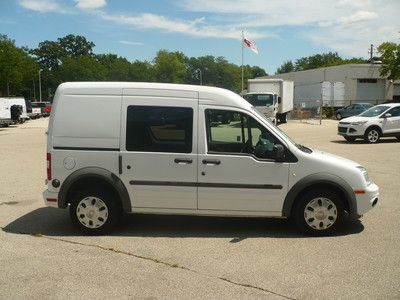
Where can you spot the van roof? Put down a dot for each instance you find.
(206, 94)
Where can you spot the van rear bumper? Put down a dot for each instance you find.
(50, 198)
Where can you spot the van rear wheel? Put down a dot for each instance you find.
(95, 212)
(318, 212)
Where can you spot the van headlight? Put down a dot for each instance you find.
(365, 173)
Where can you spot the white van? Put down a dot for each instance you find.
(160, 149)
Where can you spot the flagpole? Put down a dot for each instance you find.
(242, 62)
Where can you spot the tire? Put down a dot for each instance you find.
(338, 116)
(283, 118)
(349, 139)
(372, 135)
(95, 212)
(318, 212)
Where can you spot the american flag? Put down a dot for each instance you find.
(250, 44)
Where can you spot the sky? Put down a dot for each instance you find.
(282, 30)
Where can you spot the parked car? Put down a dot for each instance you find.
(378, 121)
(44, 111)
(47, 109)
(153, 148)
(352, 110)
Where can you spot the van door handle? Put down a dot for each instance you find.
(183, 161)
(211, 162)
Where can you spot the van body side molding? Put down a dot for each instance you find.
(208, 184)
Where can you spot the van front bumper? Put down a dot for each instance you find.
(50, 198)
(367, 200)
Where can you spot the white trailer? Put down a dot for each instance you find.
(19, 101)
(327, 93)
(5, 112)
(272, 97)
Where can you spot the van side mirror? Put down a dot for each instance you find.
(279, 100)
(279, 152)
(388, 115)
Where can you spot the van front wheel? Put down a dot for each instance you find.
(319, 212)
(94, 211)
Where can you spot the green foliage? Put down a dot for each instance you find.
(286, 67)
(317, 61)
(71, 58)
(170, 67)
(390, 57)
(17, 68)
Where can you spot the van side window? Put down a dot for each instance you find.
(159, 129)
(235, 132)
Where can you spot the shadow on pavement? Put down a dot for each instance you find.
(361, 142)
(55, 222)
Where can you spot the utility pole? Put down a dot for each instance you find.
(34, 89)
(371, 52)
(40, 86)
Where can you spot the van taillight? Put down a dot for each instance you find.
(48, 166)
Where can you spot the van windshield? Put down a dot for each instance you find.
(259, 99)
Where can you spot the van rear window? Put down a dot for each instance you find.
(159, 129)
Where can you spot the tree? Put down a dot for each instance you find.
(170, 67)
(390, 57)
(76, 45)
(83, 68)
(17, 68)
(286, 67)
(317, 61)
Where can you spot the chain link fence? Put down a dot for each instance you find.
(318, 110)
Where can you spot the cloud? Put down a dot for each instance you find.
(130, 43)
(42, 6)
(90, 4)
(359, 16)
(347, 26)
(197, 27)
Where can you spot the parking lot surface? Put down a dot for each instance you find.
(43, 255)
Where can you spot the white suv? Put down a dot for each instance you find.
(378, 121)
(117, 147)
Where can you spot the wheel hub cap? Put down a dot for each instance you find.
(373, 135)
(92, 212)
(320, 213)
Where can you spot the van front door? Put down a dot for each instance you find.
(159, 151)
(237, 169)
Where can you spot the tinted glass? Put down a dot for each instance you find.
(374, 111)
(395, 112)
(242, 134)
(159, 129)
(260, 99)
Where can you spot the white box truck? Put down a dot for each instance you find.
(272, 97)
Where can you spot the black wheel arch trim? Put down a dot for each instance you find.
(94, 172)
(320, 178)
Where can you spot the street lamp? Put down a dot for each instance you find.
(40, 86)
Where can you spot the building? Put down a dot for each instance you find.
(341, 85)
